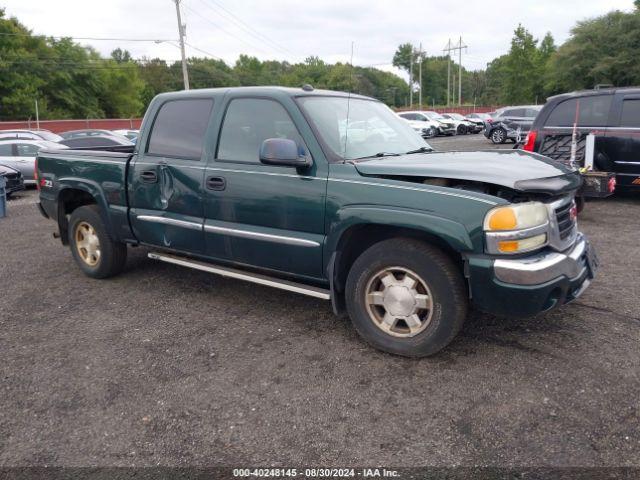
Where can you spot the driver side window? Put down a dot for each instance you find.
(250, 121)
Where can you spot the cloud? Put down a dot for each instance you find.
(292, 30)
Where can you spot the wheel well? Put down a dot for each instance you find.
(68, 200)
(358, 238)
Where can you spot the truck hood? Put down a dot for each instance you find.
(515, 169)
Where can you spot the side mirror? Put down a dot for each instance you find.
(282, 152)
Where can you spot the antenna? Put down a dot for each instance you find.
(346, 127)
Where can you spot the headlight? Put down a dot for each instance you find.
(517, 228)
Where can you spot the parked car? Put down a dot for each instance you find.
(463, 126)
(85, 132)
(14, 181)
(21, 155)
(31, 135)
(96, 141)
(421, 124)
(271, 192)
(511, 123)
(130, 134)
(476, 124)
(444, 125)
(611, 117)
(478, 116)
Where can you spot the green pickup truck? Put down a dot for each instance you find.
(330, 195)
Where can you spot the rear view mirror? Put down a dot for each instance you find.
(282, 152)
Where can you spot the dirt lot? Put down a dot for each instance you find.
(164, 365)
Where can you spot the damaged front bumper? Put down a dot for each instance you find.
(532, 284)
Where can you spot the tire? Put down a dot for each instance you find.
(461, 130)
(499, 135)
(432, 132)
(93, 249)
(440, 288)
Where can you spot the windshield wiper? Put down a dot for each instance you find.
(420, 150)
(379, 154)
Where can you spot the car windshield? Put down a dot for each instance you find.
(455, 116)
(356, 128)
(434, 116)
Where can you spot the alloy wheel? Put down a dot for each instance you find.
(87, 244)
(399, 302)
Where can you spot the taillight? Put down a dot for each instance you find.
(530, 141)
(35, 173)
(612, 184)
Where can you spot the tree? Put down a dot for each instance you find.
(600, 50)
(520, 65)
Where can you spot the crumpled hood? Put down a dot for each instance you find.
(514, 169)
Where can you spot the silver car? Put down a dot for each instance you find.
(20, 154)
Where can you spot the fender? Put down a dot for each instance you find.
(92, 188)
(453, 233)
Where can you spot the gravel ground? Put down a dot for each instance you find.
(168, 366)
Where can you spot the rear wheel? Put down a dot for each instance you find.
(499, 135)
(462, 130)
(94, 251)
(406, 297)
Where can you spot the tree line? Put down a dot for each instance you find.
(74, 81)
(600, 51)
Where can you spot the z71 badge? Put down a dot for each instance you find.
(46, 183)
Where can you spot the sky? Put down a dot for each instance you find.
(293, 30)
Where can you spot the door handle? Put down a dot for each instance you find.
(148, 176)
(216, 183)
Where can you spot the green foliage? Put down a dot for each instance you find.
(600, 50)
(72, 81)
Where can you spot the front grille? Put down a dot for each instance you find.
(565, 222)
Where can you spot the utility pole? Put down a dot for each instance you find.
(411, 77)
(181, 30)
(37, 116)
(448, 49)
(420, 78)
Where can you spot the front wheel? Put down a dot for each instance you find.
(462, 130)
(499, 135)
(94, 251)
(406, 297)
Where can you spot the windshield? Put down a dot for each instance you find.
(456, 116)
(434, 116)
(372, 128)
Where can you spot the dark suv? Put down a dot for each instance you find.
(611, 116)
(510, 123)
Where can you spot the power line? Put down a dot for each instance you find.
(155, 40)
(207, 19)
(204, 51)
(246, 27)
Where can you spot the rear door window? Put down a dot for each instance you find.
(630, 116)
(179, 128)
(592, 111)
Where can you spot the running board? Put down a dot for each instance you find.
(242, 275)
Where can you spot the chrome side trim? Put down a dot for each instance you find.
(246, 276)
(261, 236)
(544, 267)
(170, 221)
(401, 187)
(255, 172)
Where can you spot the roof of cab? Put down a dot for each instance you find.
(292, 92)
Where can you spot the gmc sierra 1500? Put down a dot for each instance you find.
(330, 195)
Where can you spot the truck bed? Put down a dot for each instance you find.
(101, 173)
